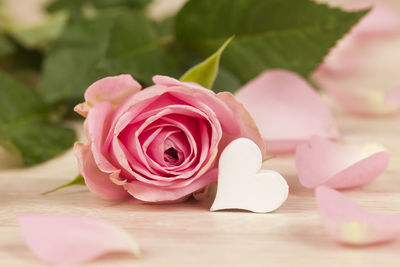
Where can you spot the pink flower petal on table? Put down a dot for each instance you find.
(381, 20)
(341, 60)
(361, 102)
(348, 223)
(346, 62)
(393, 98)
(286, 109)
(322, 162)
(64, 239)
(114, 89)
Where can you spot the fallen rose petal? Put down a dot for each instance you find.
(393, 98)
(348, 223)
(65, 239)
(381, 20)
(360, 101)
(322, 162)
(112, 89)
(286, 109)
(341, 60)
(357, 71)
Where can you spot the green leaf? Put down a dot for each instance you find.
(206, 72)
(23, 65)
(226, 81)
(136, 47)
(90, 49)
(6, 46)
(73, 62)
(77, 8)
(78, 180)
(24, 125)
(127, 3)
(38, 140)
(73, 4)
(290, 34)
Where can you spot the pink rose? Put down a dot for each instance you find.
(157, 144)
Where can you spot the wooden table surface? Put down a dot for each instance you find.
(187, 234)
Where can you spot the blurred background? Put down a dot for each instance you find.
(29, 29)
(51, 50)
(34, 25)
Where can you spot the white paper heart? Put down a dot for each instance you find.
(241, 183)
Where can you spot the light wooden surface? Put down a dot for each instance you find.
(187, 234)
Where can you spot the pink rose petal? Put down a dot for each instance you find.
(360, 101)
(347, 60)
(97, 181)
(248, 127)
(322, 162)
(97, 124)
(114, 89)
(131, 138)
(151, 193)
(383, 19)
(287, 110)
(171, 82)
(64, 239)
(159, 179)
(393, 98)
(341, 60)
(348, 223)
(160, 144)
(232, 115)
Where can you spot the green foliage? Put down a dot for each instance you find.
(23, 65)
(206, 72)
(136, 47)
(78, 5)
(226, 81)
(91, 48)
(6, 47)
(75, 59)
(290, 34)
(24, 126)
